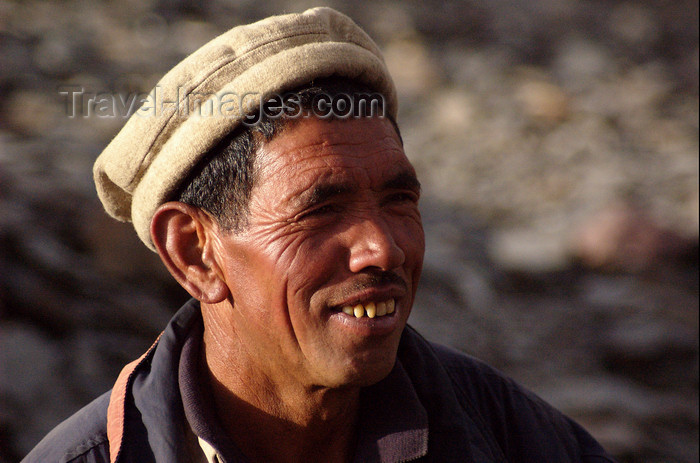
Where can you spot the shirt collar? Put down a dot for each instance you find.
(393, 424)
(199, 408)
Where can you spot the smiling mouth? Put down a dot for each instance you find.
(370, 309)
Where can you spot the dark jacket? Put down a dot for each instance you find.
(470, 412)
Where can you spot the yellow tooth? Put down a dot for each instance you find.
(381, 309)
(348, 310)
(371, 310)
(390, 305)
(358, 310)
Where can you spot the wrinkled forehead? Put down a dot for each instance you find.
(365, 151)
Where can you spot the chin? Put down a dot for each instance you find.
(368, 373)
(370, 379)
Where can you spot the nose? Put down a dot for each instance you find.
(373, 245)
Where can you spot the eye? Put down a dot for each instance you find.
(321, 210)
(401, 197)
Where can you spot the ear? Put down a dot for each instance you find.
(183, 237)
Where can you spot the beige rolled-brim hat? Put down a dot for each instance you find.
(207, 95)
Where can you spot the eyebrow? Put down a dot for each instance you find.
(404, 180)
(323, 192)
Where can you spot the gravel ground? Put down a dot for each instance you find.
(557, 144)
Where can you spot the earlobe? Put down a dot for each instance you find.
(182, 235)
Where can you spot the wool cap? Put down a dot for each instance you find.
(207, 95)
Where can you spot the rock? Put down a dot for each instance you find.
(452, 111)
(635, 24)
(535, 249)
(582, 63)
(389, 21)
(97, 357)
(115, 250)
(615, 409)
(35, 391)
(410, 64)
(55, 54)
(656, 352)
(151, 31)
(191, 35)
(623, 237)
(15, 59)
(543, 101)
(31, 112)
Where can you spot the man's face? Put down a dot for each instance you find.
(333, 223)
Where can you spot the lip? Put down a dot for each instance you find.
(365, 326)
(369, 327)
(371, 294)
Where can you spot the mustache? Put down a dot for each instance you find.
(373, 279)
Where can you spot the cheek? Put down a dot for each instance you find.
(282, 268)
(313, 260)
(409, 236)
(252, 267)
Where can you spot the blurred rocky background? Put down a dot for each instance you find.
(557, 142)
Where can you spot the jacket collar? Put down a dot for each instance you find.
(158, 398)
(393, 425)
(145, 419)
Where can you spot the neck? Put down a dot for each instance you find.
(302, 422)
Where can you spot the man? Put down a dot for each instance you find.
(293, 222)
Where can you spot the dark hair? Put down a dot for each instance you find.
(222, 182)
